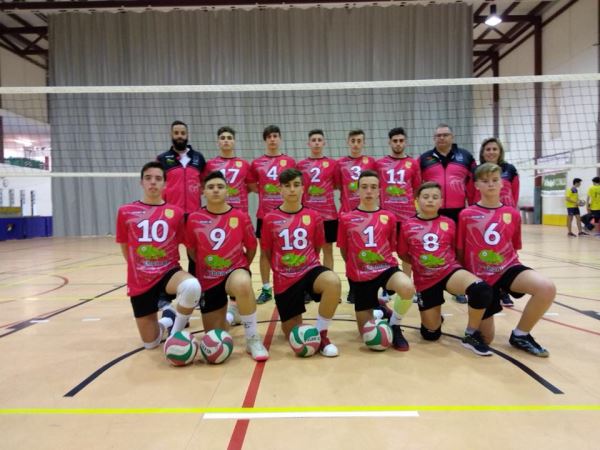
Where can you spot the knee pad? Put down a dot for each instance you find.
(480, 295)
(429, 335)
(188, 293)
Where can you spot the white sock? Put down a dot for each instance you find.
(266, 286)
(229, 318)
(249, 322)
(377, 314)
(181, 321)
(518, 332)
(166, 322)
(395, 319)
(322, 323)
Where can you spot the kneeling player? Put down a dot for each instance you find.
(427, 242)
(292, 236)
(221, 240)
(150, 232)
(367, 239)
(489, 235)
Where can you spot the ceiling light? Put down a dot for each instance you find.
(493, 19)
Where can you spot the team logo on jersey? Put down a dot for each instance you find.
(238, 164)
(444, 226)
(306, 220)
(326, 164)
(384, 218)
(282, 162)
(408, 164)
(169, 213)
(365, 160)
(233, 222)
(506, 218)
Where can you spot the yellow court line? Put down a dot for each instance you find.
(431, 408)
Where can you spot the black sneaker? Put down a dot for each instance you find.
(307, 298)
(399, 342)
(474, 342)
(528, 344)
(506, 301)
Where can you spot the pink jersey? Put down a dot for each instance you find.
(219, 241)
(399, 179)
(265, 171)
(293, 240)
(152, 234)
(369, 238)
(489, 239)
(238, 175)
(346, 179)
(319, 185)
(429, 243)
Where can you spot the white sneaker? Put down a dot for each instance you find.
(327, 348)
(256, 349)
(233, 314)
(377, 314)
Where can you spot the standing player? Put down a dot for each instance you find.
(265, 171)
(236, 170)
(221, 240)
(400, 177)
(492, 151)
(452, 168)
(593, 202)
(489, 235)
(292, 236)
(427, 241)
(347, 172)
(150, 232)
(367, 240)
(572, 204)
(318, 171)
(184, 166)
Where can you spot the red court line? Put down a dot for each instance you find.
(241, 426)
(557, 322)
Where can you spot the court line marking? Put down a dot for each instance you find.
(307, 415)
(300, 409)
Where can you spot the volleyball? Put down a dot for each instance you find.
(305, 340)
(181, 348)
(216, 346)
(377, 335)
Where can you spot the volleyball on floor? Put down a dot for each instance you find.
(181, 348)
(216, 346)
(305, 340)
(377, 335)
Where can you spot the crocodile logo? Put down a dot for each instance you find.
(232, 191)
(431, 261)
(490, 257)
(370, 257)
(271, 188)
(150, 252)
(216, 262)
(353, 186)
(293, 259)
(315, 190)
(395, 191)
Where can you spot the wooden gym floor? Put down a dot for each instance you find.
(73, 373)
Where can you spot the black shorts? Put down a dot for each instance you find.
(573, 211)
(365, 292)
(147, 303)
(331, 227)
(451, 213)
(216, 297)
(595, 214)
(503, 285)
(258, 227)
(434, 295)
(290, 303)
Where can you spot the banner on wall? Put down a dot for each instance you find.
(554, 184)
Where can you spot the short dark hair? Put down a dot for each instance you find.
(368, 173)
(577, 180)
(428, 185)
(153, 165)
(316, 131)
(270, 130)
(214, 174)
(488, 141)
(355, 132)
(179, 122)
(394, 131)
(596, 180)
(290, 174)
(222, 130)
